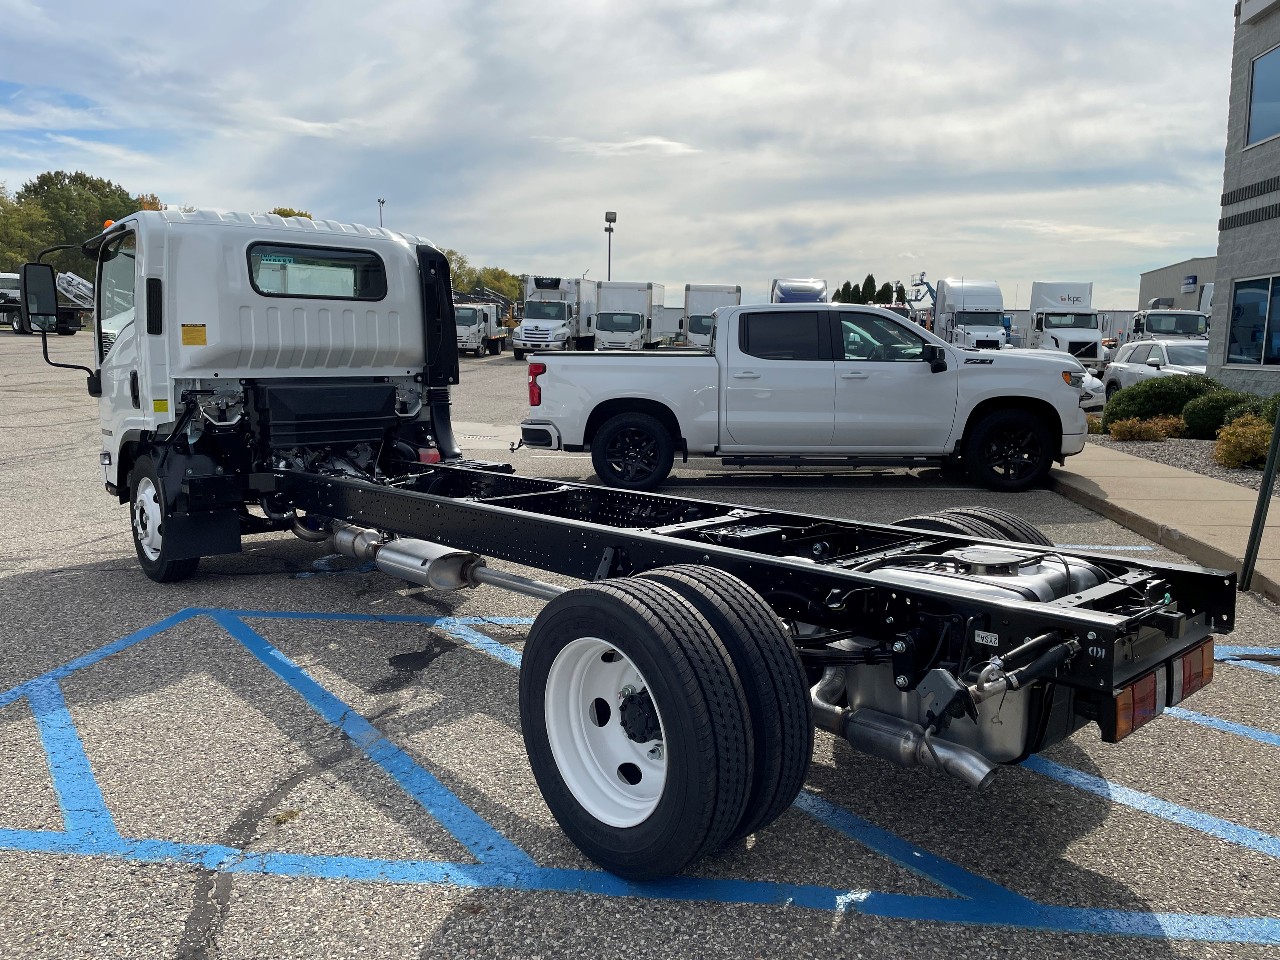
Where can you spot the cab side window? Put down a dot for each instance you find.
(868, 337)
(116, 290)
(789, 335)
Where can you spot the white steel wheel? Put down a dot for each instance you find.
(148, 522)
(146, 517)
(605, 732)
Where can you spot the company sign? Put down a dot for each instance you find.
(1189, 283)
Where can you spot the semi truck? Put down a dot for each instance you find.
(798, 291)
(669, 693)
(701, 300)
(559, 314)
(1063, 319)
(480, 328)
(629, 315)
(970, 313)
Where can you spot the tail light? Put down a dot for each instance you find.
(535, 390)
(1190, 672)
(1146, 698)
(428, 455)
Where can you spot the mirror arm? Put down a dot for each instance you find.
(55, 249)
(95, 379)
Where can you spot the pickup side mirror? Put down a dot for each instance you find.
(38, 293)
(1154, 362)
(936, 356)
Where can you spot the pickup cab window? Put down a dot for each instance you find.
(789, 335)
(867, 337)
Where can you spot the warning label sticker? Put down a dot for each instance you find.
(193, 335)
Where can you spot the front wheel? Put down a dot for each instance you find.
(15, 321)
(1112, 389)
(519, 354)
(632, 451)
(1009, 450)
(147, 514)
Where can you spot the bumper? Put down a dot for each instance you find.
(540, 345)
(1073, 443)
(540, 433)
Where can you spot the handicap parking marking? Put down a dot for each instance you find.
(1240, 657)
(90, 830)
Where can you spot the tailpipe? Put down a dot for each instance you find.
(894, 739)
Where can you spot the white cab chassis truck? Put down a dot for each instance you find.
(1063, 319)
(480, 328)
(970, 313)
(260, 374)
(559, 314)
(629, 315)
(701, 300)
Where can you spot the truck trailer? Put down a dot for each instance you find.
(668, 699)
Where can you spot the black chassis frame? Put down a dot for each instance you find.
(802, 565)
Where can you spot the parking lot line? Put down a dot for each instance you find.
(1226, 726)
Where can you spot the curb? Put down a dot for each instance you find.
(1171, 537)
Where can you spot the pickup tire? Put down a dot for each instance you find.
(632, 451)
(773, 682)
(1009, 450)
(146, 517)
(635, 726)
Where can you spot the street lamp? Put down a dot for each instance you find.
(380, 203)
(610, 218)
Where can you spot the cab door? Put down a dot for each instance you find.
(779, 382)
(124, 403)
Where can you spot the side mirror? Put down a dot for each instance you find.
(937, 358)
(1137, 326)
(1154, 362)
(38, 292)
(648, 323)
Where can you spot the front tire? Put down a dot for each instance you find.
(635, 726)
(519, 354)
(1009, 450)
(146, 516)
(632, 451)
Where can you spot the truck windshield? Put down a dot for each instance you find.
(700, 323)
(9, 283)
(972, 318)
(465, 316)
(1189, 354)
(618, 322)
(1071, 321)
(1193, 324)
(541, 310)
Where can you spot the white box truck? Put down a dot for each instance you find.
(559, 314)
(1063, 319)
(701, 300)
(970, 313)
(627, 313)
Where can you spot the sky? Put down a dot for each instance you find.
(1007, 140)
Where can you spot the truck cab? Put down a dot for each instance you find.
(1170, 324)
(970, 313)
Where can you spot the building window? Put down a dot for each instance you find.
(1254, 337)
(1264, 98)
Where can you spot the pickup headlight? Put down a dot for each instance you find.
(1073, 378)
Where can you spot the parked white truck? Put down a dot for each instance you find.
(845, 385)
(668, 697)
(701, 300)
(970, 313)
(559, 314)
(480, 328)
(1063, 319)
(629, 315)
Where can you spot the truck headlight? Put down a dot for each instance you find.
(1073, 378)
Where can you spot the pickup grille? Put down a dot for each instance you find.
(1086, 348)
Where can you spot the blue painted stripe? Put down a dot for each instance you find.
(96, 656)
(1226, 726)
(1099, 546)
(902, 852)
(84, 812)
(481, 642)
(471, 830)
(1229, 655)
(1247, 837)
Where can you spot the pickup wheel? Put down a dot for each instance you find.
(1009, 450)
(632, 451)
(1009, 525)
(146, 516)
(773, 681)
(635, 726)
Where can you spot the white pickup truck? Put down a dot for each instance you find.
(811, 384)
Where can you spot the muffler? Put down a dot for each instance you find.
(894, 739)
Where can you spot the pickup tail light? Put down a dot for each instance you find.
(535, 390)
(1147, 697)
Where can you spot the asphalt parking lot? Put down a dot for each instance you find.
(293, 756)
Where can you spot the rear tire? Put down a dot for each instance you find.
(632, 451)
(773, 681)
(635, 726)
(493, 347)
(1010, 526)
(946, 523)
(147, 508)
(1009, 450)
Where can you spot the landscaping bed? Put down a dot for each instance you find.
(1193, 455)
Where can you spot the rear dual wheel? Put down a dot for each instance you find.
(985, 522)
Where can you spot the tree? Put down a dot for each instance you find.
(868, 290)
(899, 293)
(24, 231)
(149, 201)
(462, 275)
(77, 205)
(885, 293)
(846, 292)
(501, 281)
(290, 212)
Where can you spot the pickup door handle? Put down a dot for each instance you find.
(746, 375)
(854, 376)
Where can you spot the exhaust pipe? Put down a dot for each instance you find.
(430, 564)
(894, 739)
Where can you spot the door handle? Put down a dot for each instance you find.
(854, 376)
(134, 393)
(746, 375)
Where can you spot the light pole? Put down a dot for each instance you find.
(610, 218)
(380, 203)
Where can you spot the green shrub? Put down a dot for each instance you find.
(1157, 428)
(1243, 442)
(1269, 407)
(1253, 405)
(1158, 396)
(1204, 416)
